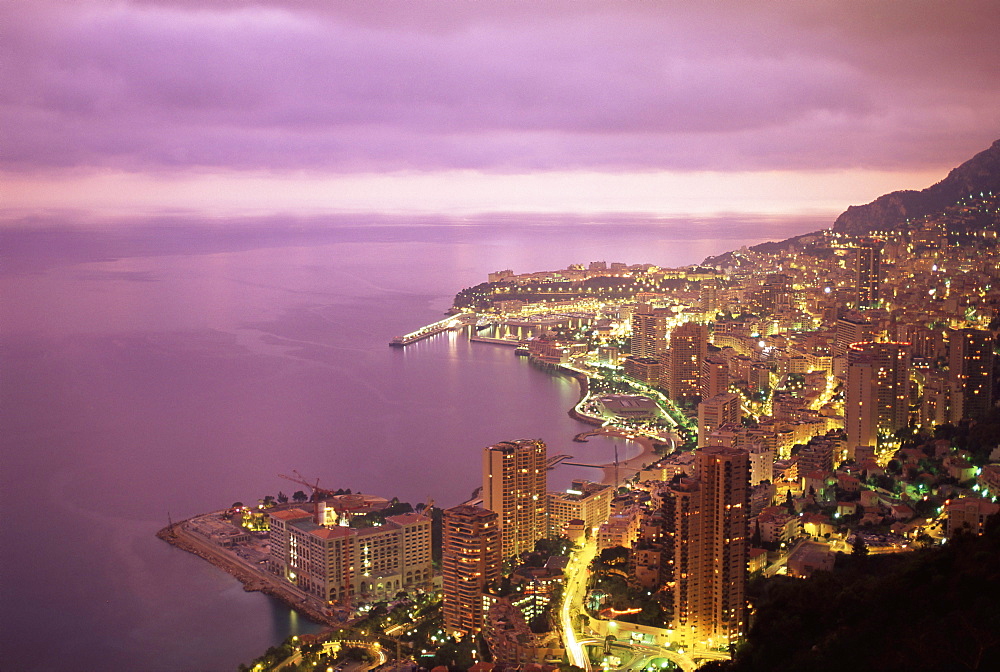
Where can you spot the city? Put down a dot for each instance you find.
(796, 403)
(493, 336)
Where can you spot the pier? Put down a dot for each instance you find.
(448, 323)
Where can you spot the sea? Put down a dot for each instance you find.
(154, 368)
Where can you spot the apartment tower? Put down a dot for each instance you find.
(682, 363)
(514, 487)
(970, 366)
(471, 548)
(867, 275)
(722, 409)
(877, 398)
(706, 522)
(649, 333)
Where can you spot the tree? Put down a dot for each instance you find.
(282, 497)
(299, 496)
(789, 502)
(859, 548)
(756, 539)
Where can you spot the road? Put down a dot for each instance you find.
(577, 573)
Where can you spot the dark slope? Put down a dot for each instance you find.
(979, 174)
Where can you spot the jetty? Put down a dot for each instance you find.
(447, 324)
(556, 459)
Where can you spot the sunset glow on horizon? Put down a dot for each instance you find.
(456, 108)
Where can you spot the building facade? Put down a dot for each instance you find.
(722, 409)
(706, 547)
(649, 333)
(970, 364)
(514, 480)
(340, 564)
(471, 561)
(584, 501)
(877, 397)
(681, 376)
(868, 272)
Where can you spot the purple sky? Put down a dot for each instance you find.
(656, 106)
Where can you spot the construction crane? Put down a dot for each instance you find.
(317, 492)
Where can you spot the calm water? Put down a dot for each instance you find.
(176, 367)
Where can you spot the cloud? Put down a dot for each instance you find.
(495, 87)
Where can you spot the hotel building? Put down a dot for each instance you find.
(584, 501)
(339, 564)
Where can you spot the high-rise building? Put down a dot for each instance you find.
(514, 478)
(761, 462)
(682, 363)
(877, 398)
(706, 544)
(775, 294)
(649, 333)
(714, 376)
(471, 561)
(970, 364)
(708, 295)
(722, 409)
(852, 328)
(867, 275)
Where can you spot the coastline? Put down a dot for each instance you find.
(631, 465)
(253, 579)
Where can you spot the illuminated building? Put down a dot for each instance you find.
(648, 370)
(851, 328)
(514, 477)
(681, 376)
(970, 363)
(585, 501)
(708, 296)
(337, 563)
(877, 398)
(706, 543)
(867, 273)
(649, 333)
(714, 376)
(722, 409)
(471, 561)
(775, 294)
(969, 514)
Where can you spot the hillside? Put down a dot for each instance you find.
(980, 174)
(923, 611)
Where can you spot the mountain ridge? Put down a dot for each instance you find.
(981, 173)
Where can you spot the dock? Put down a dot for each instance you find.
(447, 324)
